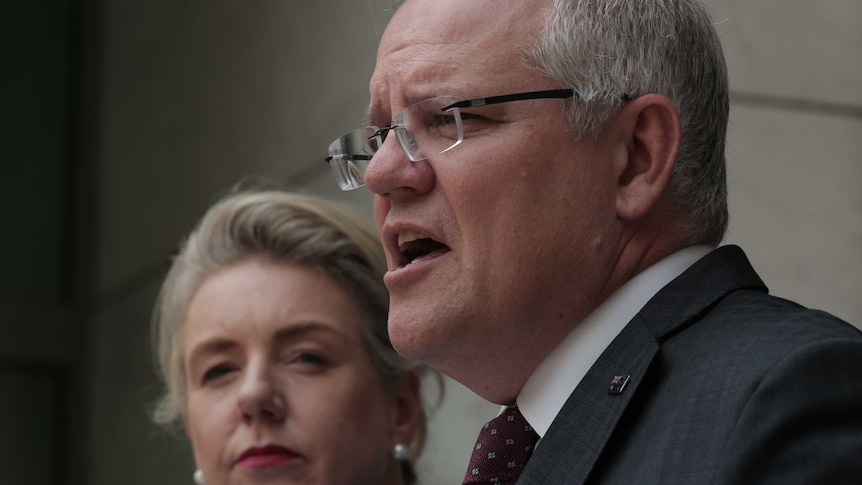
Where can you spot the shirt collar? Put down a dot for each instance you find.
(560, 372)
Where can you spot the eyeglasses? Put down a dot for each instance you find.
(423, 129)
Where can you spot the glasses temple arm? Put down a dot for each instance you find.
(470, 103)
(347, 156)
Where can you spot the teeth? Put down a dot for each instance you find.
(409, 236)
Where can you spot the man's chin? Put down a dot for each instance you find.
(418, 339)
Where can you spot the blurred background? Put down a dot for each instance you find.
(122, 121)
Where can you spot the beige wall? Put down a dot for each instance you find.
(198, 94)
(795, 146)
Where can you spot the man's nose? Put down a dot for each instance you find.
(391, 173)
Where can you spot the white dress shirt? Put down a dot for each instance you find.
(550, 385)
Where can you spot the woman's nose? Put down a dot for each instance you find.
(260, 398)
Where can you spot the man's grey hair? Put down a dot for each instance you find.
(609, 49)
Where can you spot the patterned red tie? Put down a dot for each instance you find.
(502, 449)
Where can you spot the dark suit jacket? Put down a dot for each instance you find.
(728, 386)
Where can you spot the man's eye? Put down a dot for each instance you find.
(441, 120)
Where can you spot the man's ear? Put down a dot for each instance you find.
(407, 408)
(653, 134)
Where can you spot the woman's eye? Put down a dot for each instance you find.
(216, 372)
(311, 359)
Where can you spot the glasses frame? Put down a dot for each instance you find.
(405, 136)
(506, 98)
(350, 176)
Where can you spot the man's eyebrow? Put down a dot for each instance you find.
(372, 114)
(376, 111)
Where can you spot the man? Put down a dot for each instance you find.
(555, 251)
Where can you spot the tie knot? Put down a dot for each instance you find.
(502, 449)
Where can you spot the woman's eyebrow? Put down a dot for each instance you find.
(292, 332)
(211, 346)
(299, 330)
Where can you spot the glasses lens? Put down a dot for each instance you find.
(350, 154)
(424, 129)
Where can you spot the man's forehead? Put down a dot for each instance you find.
(473, 21)
(436, 47)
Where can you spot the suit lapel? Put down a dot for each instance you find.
(685, 299)
(579, 433)
(577, 436)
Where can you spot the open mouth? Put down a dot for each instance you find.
(414, 246)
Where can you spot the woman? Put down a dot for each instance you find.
(271, 335)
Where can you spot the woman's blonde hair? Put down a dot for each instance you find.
(284, 227)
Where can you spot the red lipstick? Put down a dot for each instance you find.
(265, 456)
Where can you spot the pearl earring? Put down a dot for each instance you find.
(198, 477)
(399, 451)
